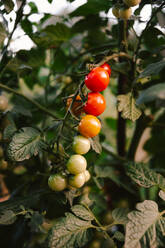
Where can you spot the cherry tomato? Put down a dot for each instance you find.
(125, 13)
(97, 79)
(57, 182)
(87, 175)
(131, 3)
(81, 145)
(95, 104)
(3, 103)
(77, 107)
(76, 164)
(106, 67)
(20, 170)
(89, 126)
(77, 181)
(115, 11)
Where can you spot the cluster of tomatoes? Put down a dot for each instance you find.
(89, 126)
(124, 11)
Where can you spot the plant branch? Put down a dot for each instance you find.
(116, 156)
(39, 106)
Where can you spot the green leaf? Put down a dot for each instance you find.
(126, 105)
(145, 177)
(153, 69)
(119, 236)
(9, 5)
(82, 212)
(50, 1)
(120, 215)
(69, 232)
(143, 224)
(8, 217)
(25, 144)
(3, 33)
(152, 93)
(9, 131)
(92, 7)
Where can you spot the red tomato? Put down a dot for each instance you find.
(97, 79)
(95, 104)
(106, 67)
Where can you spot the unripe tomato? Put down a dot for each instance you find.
(77, 107)
(95, 104)
(125, 13)
(89, 126)
(95, 244)
(131, 3)
(57, 182)
(81, 145)
(115, 11)
(77, 181)
(3, 103)
(20, 170)
(76, 164)
(87, 175)
(3, 164)
(106, 67)
(97, 79)
(66, 79)
(61, 149)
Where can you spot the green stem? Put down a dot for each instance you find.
(39, 106)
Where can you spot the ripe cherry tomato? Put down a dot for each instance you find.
(77, 107)
(57, 182)
(76, 164)
(106, 67)
(95, 104)
(131, 3)
(89, 126)
(97, 79)
(87, 175)
(3, 103)
(125, 13)
(81, 145)
(77, 181)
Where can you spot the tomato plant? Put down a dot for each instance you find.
(80, 167)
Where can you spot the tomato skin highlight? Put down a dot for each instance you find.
(89, 126)
(97, 80)
(57, 182)
(106, 67)
(81, 144)
(77, 181)
(95, 104)
(87, 175)
(76, 164)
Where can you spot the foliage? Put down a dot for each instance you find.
(122, 205)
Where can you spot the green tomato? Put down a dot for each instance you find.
(87, 175)
(81, 145)
(3, 103)
(77, 181)
(76, 164)
(57, 182)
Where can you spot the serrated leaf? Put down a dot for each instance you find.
(81, 212)
(152, 69)
(69, 232)
(120, 215)
(153, 93)
(142, 224)
(145, 177)
(25, 143)
(126, 105)
(95, 144)
(162, 195)
(8, 217)
(9, 131)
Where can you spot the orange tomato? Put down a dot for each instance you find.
(89, 126)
